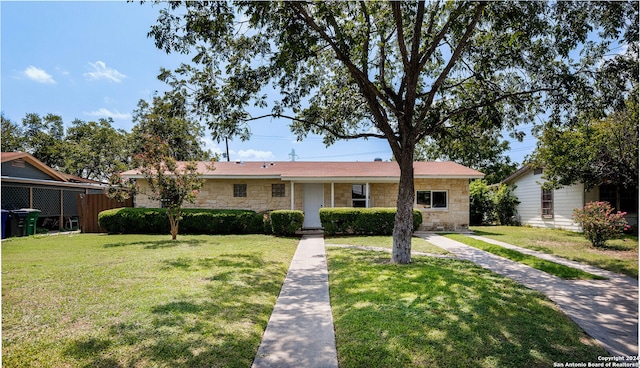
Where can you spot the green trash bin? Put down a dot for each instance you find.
(31, 220)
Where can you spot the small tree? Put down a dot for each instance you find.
(480, 202)
(489, 204)
(504, 204)
(599, 223)
(168, 181)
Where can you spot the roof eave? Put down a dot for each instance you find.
(11, 179)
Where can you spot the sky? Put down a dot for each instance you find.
(92, 60)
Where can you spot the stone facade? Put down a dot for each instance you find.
(219, 194)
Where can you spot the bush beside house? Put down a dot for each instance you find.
(286, 222)
(362, 221)
(194, 221)
(599, 223)
(491, 204)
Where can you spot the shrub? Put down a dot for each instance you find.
(286, 222)
(599, 223)
(504, 205)
(480, 202)
(489, 204)
(194, 221)
(362, 221)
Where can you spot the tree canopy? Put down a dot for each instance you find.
(593, 151)
(484, 151)
(399, 71)
(167, 119)
(95, 149)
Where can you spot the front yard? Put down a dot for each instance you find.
(204, 301)
(139, 301)
(620, 255)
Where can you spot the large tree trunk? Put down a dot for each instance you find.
(403, 228)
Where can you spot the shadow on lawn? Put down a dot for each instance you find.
(217, 325)
(444, 313)
(158, 244)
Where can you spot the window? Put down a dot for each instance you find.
(628, 198)
(432, 198)
(359, 195)
(239, 190)
(547, 203)
(277, 190)
(537, 171)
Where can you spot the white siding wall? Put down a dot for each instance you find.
(528, 190)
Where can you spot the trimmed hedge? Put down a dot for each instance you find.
(362, 221)
(194, 221)
(284, 222)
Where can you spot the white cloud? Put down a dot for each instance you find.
(252, 154)
(101, 71)
(38, 75)
(105, 113)
(212, 146)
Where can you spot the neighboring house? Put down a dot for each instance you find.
(442, 188)
(554, 208)
(29, 183)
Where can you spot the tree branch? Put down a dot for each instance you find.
(368, 89)
(331, 130)
(482, 104)
(454, 57)
(397, 16)
(365, 47)
(440, 35)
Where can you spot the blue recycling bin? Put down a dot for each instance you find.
(5, 219)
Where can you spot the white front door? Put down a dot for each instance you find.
(313, 201)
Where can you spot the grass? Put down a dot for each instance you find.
(444, 313)
(417, 244)
(556, 269)
(137, 300)
(620, 255)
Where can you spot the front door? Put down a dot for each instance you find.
(313, 201)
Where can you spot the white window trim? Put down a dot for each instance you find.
(367, 195)
(422, 206)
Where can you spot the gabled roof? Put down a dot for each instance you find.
(12, 156)
(523, 170)
(327, 171)
(54, 174)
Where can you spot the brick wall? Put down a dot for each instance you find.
(219, 194)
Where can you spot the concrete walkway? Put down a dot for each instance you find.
(606, 309)
(300, 331)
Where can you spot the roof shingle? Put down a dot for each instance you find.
(300, 170)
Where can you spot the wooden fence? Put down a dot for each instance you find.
(90, 205)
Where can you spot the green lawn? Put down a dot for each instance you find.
(556, 269)
(620, 255)
(444, 313)
(139, 301)
(204, 301)
(417, 244)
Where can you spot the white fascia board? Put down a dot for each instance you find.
(241, 177)
(327, 179)
(448, 176)
(342, 179)
(9, 179)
